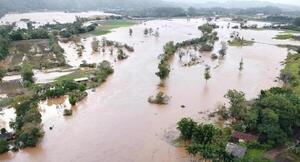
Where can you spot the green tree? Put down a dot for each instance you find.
(186, 127)
(238, 107)
(207, 75)
(204, 134)
(29, 135)
(206, 28)
(223, 49)
(3, 146)
(27, 73)
(4, 44)
(297, 21)
(164, 70)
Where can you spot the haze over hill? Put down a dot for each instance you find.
(141, 7)
(287, 5)
(15, 5)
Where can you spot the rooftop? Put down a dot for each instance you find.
(244, 136)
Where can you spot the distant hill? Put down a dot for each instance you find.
(23, 5)
(233, 4)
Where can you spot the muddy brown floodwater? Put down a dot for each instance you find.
(117, 124)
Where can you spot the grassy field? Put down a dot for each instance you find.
(284, 36)
(108, 25)
(292, 68)
(75, 75)
(290, 32)
(240, 43)
(255, 154)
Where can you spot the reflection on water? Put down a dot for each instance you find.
(54, 108)
(116, 123)
(7, 115)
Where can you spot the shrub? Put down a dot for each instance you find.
(68, 112)
(186, 127)
(29, 135)
(160, 99)
(3, 146)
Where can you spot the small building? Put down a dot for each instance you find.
(80, 80)
(243, 137)
(236, 150)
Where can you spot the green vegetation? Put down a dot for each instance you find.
(207, 75)
(2, 73)
(297, 21)
(239, 41)
(255, 155)
(237, 102)
(164, 67)
(206, 43)
(287, 36)
(77, 96)
(121, 55)
(4, 147)
(26, 34)
(207, 141)
(64, 87)
(69, 29)
(272, 116)
(109, 25)
(27, 124)
(27, 73)
(290, 74)
(223, 49)
(4, 42)
(284, 36)
(5, 102)
(68, 112)
(160, 99)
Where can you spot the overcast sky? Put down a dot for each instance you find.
(291, 2)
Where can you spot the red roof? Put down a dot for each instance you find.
(244, 136)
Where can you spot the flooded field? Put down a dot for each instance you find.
(116, 123)
(42, 18)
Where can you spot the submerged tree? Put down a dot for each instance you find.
(164, 70)
(156, 34)
(223, 49)
(241, 65)
(150, 31)
(146, 31)
(95, 45)
(207, 75)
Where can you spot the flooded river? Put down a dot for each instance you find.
(117, 124)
